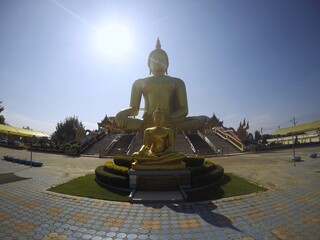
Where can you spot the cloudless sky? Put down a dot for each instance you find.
(258, 60)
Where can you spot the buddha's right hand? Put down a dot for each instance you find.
(122, 119)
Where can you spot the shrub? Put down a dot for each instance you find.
(110, 178)
(124, 161)
(194, 161)
(205, 168)
(208, 178)
(115, 169)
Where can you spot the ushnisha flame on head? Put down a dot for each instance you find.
(158, 112)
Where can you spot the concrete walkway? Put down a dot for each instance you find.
(289, 210)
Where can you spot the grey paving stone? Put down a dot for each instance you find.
(222, 219)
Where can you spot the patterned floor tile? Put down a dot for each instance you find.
(55, 236)
(311, 220)
(254, 213)
(28, 211)
(150, 225)
(81, 217)
(23, 227)
(114, 222)
(283, 232)
(54, 211)
(188, 223)
(4, 216)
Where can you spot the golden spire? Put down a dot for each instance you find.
(158, 45)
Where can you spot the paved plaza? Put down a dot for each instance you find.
(290, 209)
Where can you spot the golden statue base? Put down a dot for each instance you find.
(167, 166)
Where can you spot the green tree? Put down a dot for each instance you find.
(2, 119)
(65, 131)
(257, 135)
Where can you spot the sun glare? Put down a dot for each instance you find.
(113, 40)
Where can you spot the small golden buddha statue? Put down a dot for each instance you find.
(158, 146)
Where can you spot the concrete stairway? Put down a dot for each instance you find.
(100, 145)
(223, 145)
(200, 145)
(156, 196)
(182, 145)
(137, 143)
(121, 146)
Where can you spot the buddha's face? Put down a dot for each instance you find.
(158, 64)
(158, 119)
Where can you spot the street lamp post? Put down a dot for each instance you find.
(293, 142)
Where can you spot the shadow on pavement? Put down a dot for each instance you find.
(205, 210)
(10, 177)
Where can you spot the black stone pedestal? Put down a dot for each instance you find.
(159, 180)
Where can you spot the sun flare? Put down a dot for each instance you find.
(113, 40)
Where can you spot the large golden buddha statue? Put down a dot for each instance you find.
(159, 90)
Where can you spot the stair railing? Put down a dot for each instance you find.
(131, 145)
(114, 141)
(212, 146)
(90, 139)
(235, 142)
(190, 143)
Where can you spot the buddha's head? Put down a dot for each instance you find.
(158, 118)
(158, 61)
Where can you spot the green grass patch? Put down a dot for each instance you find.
(231, 186)
(86, 186)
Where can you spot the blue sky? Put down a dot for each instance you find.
(258, 60)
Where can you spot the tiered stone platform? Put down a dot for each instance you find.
(159, 180)
(159, 185)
